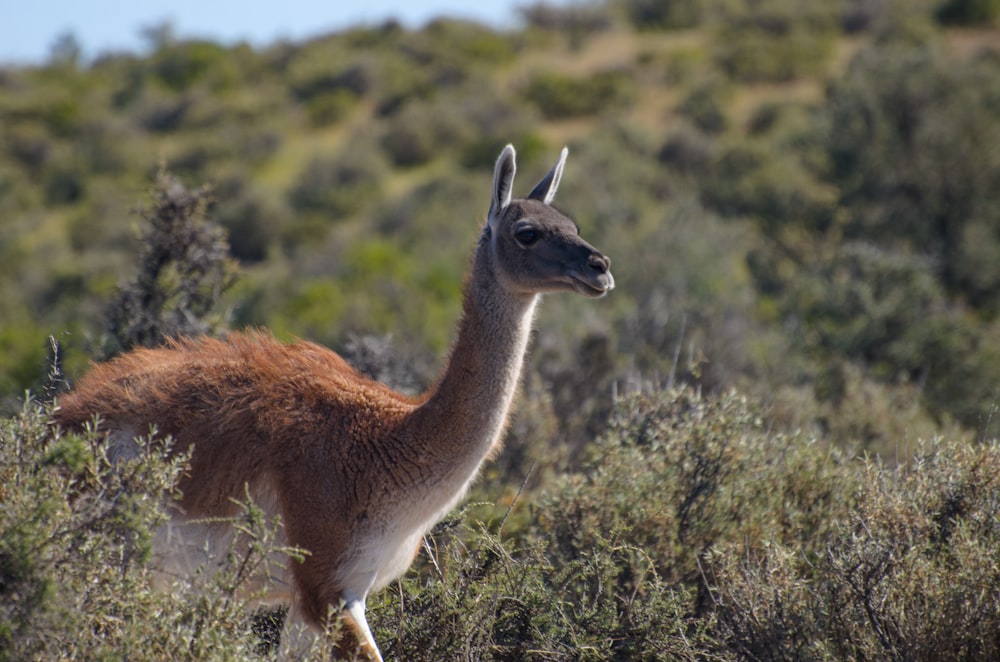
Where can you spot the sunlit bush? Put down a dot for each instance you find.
(75, 546)
(694, 533)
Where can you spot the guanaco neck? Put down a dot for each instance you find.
(464, 417)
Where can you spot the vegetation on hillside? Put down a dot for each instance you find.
(800, 201)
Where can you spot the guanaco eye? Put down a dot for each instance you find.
(527, 236)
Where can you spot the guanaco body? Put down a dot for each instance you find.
(357, 472)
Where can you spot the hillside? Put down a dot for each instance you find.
(776, 439)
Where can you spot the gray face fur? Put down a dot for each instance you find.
(537, 248)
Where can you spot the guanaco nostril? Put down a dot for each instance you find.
(599, 263)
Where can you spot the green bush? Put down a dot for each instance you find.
(887, 311)
(774, 40)
(22, 354)
(75, 545)
(909, 134)
(911, 574)
(481, 598)
(663, 14)
(179, 65)
(421, 131)
(984, 13)
(882, 211)
(694, 533)
(338, 186)
(251, 222)
(330, 107)
(312, 78)
(64, 185)
(29, 145)
(577, 20)
(705, 106)
(560, 96)
(165, 114)
(448, 41)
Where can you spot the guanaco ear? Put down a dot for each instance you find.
(503, 182)
(545, 190)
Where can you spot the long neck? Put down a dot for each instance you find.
(464, 417)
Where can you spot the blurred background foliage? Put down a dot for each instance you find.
(801, 199)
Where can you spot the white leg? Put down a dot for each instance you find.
(356, 608)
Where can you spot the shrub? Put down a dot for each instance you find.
(710, 473)
(662, 14)
(909, 135)
(695, 533)
(886, 311)
(576, 20)
(338, 186)
(75, 542)
(903, 147)
(250, 221)
(22, 353)
(912, 573)
(29, 145)
(165, 114)
(481, 598)
(686, 153)
(311, 79)
(421, 131)
(446, 41)
(183, 269)
(752, 178)
(704, 107)
(101, 147)
(179, 65)
(606, 563)
(774, 40)
(560, 96)
(330, 107)
(985, 13)
(63, 186)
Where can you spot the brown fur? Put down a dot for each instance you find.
(256, 406)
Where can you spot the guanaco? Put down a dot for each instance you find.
(357, 472)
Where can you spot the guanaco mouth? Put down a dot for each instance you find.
(593, 288)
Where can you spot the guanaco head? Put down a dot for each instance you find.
(536, 248)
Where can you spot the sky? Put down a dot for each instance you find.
(29, 28)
